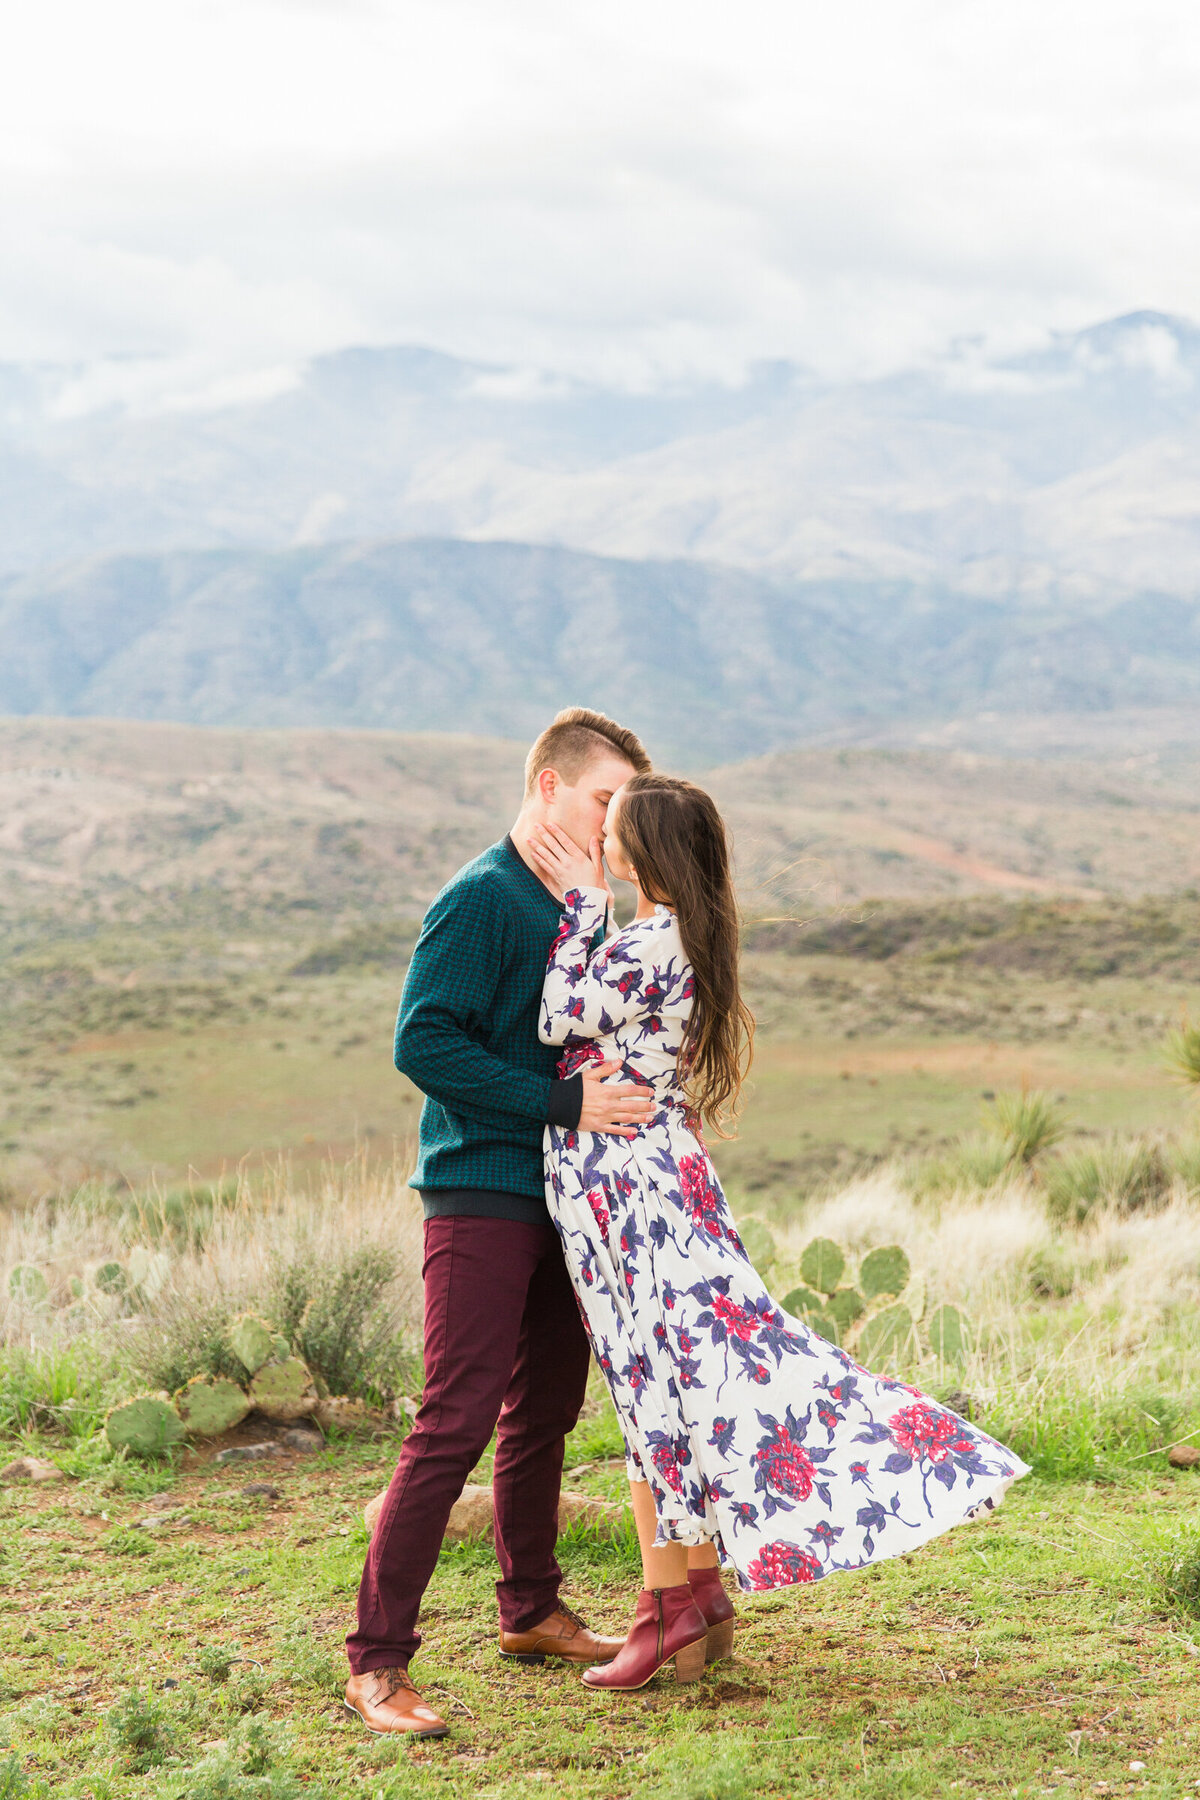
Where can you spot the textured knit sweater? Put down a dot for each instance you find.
(467, 1036)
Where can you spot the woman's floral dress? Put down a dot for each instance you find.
(751, 1429)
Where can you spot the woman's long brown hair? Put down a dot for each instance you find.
(675, 838)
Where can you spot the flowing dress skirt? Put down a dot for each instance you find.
(751, 1429)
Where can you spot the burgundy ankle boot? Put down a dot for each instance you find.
(667, 1626)
(708, 1591)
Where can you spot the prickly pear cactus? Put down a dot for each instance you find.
(284, 1391)
(824, 1326)
(846, 1305)
(822, 1265)
(758, 1243)
(253, 1342)
(26, 1282)
(884, 1271)
(210, 1404)
(148, 1270)
(886, 1338)
(111, 1278)
(802, 1300)
(949, 1335)
(339, 1412)
(145, 1426)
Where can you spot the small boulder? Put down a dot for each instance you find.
(304, 1442)
(247, 1453)
(170, 1515)
(260, 1490)
(1183, 1456)
(471, 1514)
(31, 1468)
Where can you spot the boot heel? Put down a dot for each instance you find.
(689, 1662)
(720, 1641)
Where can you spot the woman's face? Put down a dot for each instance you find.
(614, 849)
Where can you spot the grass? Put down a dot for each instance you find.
(1039, 1650)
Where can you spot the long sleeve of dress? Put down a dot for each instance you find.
(586, 994)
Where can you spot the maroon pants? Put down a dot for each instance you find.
(505, 1351)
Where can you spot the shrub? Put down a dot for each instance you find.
(139, 1728)
(1181, 1053)
(977, 1162)
(1026, 1124)
(1129, 1173)
(339, 1320)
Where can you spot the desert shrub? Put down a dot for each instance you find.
(63, 1387)
(1026, 1124)
(139, 1728)
(1181, 1053)
(339, 1319)
(1171, 1572)
(187, 1335)
(1129, 1173)
(1184, 1161)
(1050, 1273)
(977, 1162)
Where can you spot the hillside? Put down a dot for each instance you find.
(440, 635)
(106, 819)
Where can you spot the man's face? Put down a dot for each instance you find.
(580, 810)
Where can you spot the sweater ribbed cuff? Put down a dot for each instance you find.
(565, 1103)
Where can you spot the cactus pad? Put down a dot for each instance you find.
(252, 1342)
(801, 1300)
(284, 1391)
(340, 1413)
(145, 1426)
(887, 1337)
(209, 1405)
(822, 1265)
(148, 1270)
(949, 1335)
(111, 1278)
(26, 1282)
(758, 1243)
(845, 1305)
(824, 1326)
(884, 1271)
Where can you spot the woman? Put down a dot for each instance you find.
(749, 1439)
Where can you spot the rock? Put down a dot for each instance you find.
(1183, 1456)
(305, 1442)
(343, 1414)
(581, 1509)
(171, 1515)
(471, 1515)
(31, 1468)
(260, 1490)
(247, 1453)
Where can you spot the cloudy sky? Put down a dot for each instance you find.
(633, 191)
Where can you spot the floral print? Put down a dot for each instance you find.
(750, 1429)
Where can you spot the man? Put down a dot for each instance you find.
(504, 1346)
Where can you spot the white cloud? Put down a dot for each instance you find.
(629, 191)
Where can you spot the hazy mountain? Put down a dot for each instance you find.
(433, 635)
(1072, 474)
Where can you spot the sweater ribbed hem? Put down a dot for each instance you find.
(483, 1203)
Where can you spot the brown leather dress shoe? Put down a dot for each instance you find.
(386, 1700)
(563, 1634)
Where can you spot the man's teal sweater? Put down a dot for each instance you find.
(467, 1036)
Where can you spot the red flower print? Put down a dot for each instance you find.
(782, 1565)
(738, 1320)
(699, 1195)
(599, 1211)
(924, 1430)
(786, 1464)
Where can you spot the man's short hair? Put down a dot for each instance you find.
(575, 739)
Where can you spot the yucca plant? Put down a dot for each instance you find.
(1181, 1053)
(1026, 1124)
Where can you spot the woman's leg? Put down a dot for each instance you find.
(703, 1556)
(663, 1565)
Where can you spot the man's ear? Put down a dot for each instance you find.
(548, 785)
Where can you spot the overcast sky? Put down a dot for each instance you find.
(635, 191)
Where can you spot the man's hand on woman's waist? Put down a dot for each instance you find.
(616, 1107)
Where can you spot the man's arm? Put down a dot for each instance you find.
(448, 996)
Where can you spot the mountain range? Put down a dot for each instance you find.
(398, 538)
